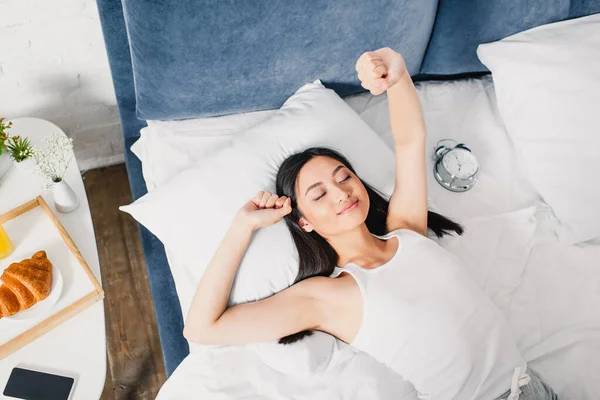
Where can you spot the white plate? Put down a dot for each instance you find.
(45, 305)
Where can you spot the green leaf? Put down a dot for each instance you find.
(19, 148)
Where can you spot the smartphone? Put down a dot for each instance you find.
(35, 385)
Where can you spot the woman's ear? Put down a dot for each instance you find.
(305, 225)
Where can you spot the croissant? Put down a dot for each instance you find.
(25, 283)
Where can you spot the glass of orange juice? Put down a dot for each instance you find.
(6, 246)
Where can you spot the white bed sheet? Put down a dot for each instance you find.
(548, 292)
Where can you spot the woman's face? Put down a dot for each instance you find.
(331, 199)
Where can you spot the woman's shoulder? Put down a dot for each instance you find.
(326, 288)
(336, 294)
(318, 283)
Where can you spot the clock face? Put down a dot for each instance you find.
(461, 163)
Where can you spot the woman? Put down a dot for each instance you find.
(394, 293)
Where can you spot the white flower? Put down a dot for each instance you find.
(53, 159)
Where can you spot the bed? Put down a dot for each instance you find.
(202, 59)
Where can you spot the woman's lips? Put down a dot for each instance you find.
(349, 208)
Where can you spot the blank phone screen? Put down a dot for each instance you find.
(34, 385)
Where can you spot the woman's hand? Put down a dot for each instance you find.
(263, 210)
(380, 69)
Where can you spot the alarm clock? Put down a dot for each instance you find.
(455, 168)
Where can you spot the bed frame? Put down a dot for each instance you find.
(202, 58)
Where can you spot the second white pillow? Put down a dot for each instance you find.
(548, 88)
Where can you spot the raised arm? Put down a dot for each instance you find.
(292, 310)
(384, 70)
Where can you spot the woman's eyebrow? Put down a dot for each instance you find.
(314, 185)
(337, 169)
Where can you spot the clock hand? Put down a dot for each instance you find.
(458, 161)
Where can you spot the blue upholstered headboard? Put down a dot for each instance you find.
(201, 58)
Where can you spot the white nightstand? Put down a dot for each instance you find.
(78, 346)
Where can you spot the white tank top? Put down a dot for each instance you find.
(426, 319)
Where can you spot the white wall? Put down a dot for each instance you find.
(53, 65)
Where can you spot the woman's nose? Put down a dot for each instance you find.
(341, 194)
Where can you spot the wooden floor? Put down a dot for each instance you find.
(135, 368)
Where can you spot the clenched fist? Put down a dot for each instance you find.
(380, 69)
(264, 209)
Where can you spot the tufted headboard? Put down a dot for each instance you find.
(202, 58)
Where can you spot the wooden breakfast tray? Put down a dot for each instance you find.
(75, 302)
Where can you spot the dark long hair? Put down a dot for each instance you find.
(316, 256)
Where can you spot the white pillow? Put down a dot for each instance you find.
(192, 212)
(547, 83)
(185, 142)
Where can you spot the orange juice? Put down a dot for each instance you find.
(6, 246)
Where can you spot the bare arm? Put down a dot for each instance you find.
(408, 203)
(209, 321)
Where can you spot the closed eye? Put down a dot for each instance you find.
(321, 196)
(325, 192)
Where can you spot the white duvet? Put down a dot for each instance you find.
(548, 292)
